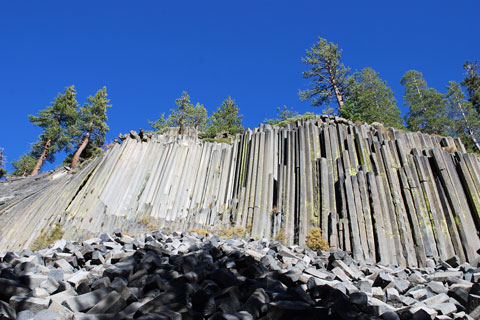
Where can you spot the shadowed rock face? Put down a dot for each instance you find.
(382, 194)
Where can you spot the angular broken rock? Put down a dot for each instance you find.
(156, 276)
(20, 303)
(86, 301)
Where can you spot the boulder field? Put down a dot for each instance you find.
(156, 275)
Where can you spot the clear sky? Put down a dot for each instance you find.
(148, 52)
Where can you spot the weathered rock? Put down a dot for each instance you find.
(7, 312)
(25, 315)
(78, 277)
(11, 288)
(217, 282)
(29, 303)
(383, 280)
(47, 315)
(111, 303)
(86, 301)
(437, 287)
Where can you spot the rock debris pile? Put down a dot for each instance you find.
(189, 276)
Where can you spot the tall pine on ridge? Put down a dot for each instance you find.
(91, 123)
(183, 116)
(329, 76)
(57, 120)
(227, 118)
(371, 100)
(472, 84)
(465, 122)
(427, 107)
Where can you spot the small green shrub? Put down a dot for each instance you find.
(315, 241)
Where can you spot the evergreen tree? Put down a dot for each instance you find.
(198, 118)
(283, 113)
(91, 123)
(179, 116)
(464, 118)
(371, 100)
(184, 115)
(427, 107)
(56, 120)
(328, 74)
(90, 151)
(160, 124)
(226, 119)
(472, 84)
(2, 164)
(24, 166)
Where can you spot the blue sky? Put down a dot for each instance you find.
(148, 52)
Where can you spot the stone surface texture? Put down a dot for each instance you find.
(381, 194)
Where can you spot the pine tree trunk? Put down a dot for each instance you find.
(339, 96)
(336, 89)
(79, 151)
(182, 126)
(42, 158)
(470, 131)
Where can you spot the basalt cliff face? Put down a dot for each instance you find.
(382, 194)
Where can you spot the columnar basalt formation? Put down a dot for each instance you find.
(382, 194)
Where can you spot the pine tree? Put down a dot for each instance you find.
(465, 122)
(2, 163)
(283, 113)
(427, 107)
(160, 124)
(328, 74)
(472, 84)
(226, 119)
(198, 118)
(183, 116)
(91, 123)
(179, 116)
(56, 121)
(24, 166)
(371, 100)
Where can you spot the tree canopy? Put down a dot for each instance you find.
(226, 118)
(472, 84)
(24, 166)
(283, 114)
(91, 123)
(328, 74)
(57, 121)
(427, 106)
(183, 116)
(465, 122)
(371, 100)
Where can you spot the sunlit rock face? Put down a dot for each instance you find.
(381, 194)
